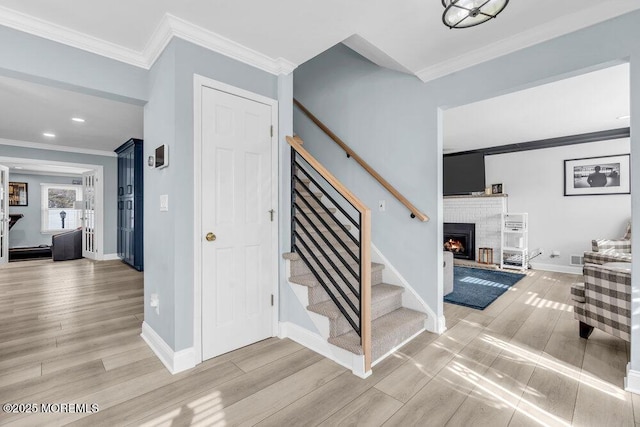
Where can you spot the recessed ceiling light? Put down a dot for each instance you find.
(77, 119)
(49, 134)
(623, 117)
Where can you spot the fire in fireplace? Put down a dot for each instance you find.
(459, 238)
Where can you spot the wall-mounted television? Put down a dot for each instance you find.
(463, 173)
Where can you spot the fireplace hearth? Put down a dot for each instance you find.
(459, 238)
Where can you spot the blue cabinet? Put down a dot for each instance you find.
(130, 201)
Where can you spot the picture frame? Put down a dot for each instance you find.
(18, 194)
(496, 188)
(597, 176)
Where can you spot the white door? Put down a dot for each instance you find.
(237, 257)
(4, 214)
(89, 244)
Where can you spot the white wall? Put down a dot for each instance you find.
(534, 182)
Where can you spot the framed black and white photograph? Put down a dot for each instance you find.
(597, 176)
(496, 188)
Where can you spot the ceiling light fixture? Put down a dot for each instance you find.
(469, 13)
(49, 134)
(623, 117)
(77, 119)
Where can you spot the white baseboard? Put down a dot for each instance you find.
(556, 268)
(320, 345)
(110, 257)
(174, 361)
(632, 380)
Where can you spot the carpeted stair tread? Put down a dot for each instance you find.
(323, 229)
(379, 292)
(318, 209)
(387, 332)
(294, 256)
(311, 281)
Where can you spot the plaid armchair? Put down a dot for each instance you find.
(603, 301)
(610, 250)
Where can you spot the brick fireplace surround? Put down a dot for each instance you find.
(484, 211)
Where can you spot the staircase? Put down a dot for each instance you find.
(327, 273)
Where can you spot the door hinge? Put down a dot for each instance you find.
(272, 300)
(272, 212)
(271, 130)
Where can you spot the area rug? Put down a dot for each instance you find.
(477, 288)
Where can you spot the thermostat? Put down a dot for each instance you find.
(162, 156)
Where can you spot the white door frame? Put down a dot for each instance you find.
(198, 83)
(99, 191)
(4, 220)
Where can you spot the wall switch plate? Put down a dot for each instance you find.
(164, 202)
(382, 205)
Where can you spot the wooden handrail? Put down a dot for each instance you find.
(365, 244)
(390, 188)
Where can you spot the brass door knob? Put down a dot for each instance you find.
(210, 237)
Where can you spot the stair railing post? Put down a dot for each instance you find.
(293, 198)
(365, 283)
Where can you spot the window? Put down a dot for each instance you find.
(59, 205)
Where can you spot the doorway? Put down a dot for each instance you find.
(82, 182)
(236, 176)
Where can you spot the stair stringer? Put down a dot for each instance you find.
(317, 341)
(410, 298)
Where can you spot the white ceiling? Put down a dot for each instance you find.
(407, 36)
(587, 103)
(410, 32)
(27, 110)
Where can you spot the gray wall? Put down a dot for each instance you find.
(394, 122)
(110, 170)
(26, 232)
(384, 116)
(169, 120)
(43, 61)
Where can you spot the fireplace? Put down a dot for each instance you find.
(459, 238)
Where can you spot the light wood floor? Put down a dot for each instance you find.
(69, 333)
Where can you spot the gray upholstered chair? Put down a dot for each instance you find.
(610, 250)
(603, 301)
(67, 246)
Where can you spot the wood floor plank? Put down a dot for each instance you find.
(70, 332)
(372, 408)
(26, 372)
(162, 397)
(411, 376)
(232, 391)
(269, 400)
(601, 399)
(258, 359)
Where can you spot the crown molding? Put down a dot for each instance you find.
(170, 26)
(539, 34)
(52, 147)
(67, 36)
